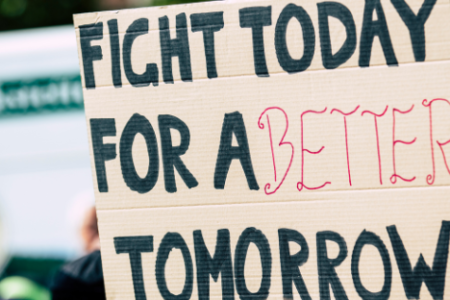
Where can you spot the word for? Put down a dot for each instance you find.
(255, 19)
(233, 124)
(233, 276)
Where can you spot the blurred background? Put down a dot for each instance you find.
(46, 185)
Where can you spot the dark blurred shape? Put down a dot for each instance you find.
(21, 14)
(40, 270)
(13, 8)
(81, 279)
(113, 4)
(171, 2)
(119, 4)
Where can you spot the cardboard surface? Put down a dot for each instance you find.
(343, 148)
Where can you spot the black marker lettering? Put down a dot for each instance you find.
(290, 264)
(412, 278)
(137, 28)
(286, 61)
(343, 14)
(139, 124)
(178, 46)
(134, 246)
(173, 240)
(256, 18)
(171, 155)
(234, 123)
(102, 152)
(220, 262)
(208, 23)
(90, 53)
(252, 235)
(115, 53)
(415, 24)
(369, 238)
(326, 266)
(372, 28)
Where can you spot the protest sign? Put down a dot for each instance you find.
(271, 149)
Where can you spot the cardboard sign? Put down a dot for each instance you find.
(271, 149)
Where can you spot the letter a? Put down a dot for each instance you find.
(233, 123)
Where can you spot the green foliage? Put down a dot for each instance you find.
(171, 2)
(21, 14)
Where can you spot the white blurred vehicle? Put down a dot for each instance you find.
(45, 175)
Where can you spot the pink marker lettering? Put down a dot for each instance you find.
(282, 143)
(432, 177)
(394, 142)
(375, 116)
(301, 184)
(346, 137)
